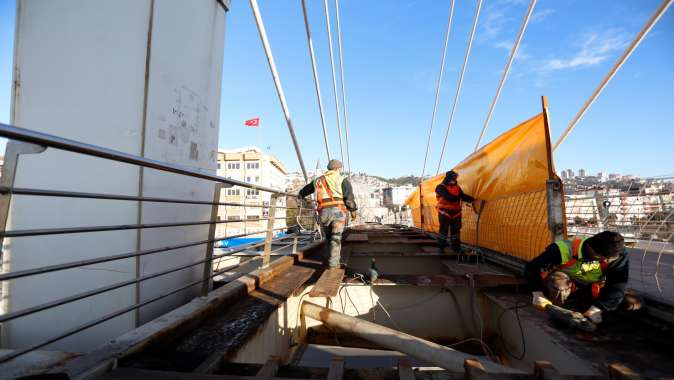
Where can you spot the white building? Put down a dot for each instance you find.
(250, 164)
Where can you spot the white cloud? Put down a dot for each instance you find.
(541, 15)
(508, 46)
(595, 48)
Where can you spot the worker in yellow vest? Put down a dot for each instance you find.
(334, 198)
(588, 275)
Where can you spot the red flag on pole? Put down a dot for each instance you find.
(253, 122)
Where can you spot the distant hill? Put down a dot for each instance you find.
(399, 181)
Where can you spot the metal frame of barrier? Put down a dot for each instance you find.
(23, 141)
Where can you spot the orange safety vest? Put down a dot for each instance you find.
(452, 209)
(326, 190)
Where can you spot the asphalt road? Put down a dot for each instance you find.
(652, 271)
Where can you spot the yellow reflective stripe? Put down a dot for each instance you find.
(564, 250)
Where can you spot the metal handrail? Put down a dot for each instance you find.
(120, 227)
(128, 255)
(51, 141)
(51, 304)
(76, 194)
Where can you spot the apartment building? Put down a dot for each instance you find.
(249, 164)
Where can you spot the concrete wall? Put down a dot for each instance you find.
(138, 76)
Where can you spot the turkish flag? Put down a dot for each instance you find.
(253, 122)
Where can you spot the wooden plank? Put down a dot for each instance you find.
(617, 371)
(474, 370)
(405, 371)
(356, 237)
(336, 371)
(544, 370)
(328, 284)
(211, 364)
(269, 369)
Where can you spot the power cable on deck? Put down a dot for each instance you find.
(513, 52)
(341, 74)
(458, 87)
(438, 85)
(623, 58)
(277, 82)
(334, 77)
(316, 82)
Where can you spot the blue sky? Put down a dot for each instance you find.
(391, 60)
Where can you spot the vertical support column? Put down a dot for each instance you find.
(421, 206)
(270, 231)
(553, 186)
(208, 265)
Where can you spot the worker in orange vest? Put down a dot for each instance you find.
(449, 196)
(334, 196)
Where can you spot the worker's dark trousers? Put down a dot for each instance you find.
(453, 226)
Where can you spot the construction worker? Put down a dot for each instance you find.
(588, 275)
(449, 196)
(334, 197)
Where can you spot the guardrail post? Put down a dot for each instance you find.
(208, 265)
(270, 230)
(555, 201)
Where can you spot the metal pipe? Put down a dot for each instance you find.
(121, 227)
(51, 141)
(421, 349)
(458, 87)
(277, 82)
(105, 259)
(438, 85)
(623, 58)
(317, 84)
(513, 52)
(334, 77)
(76, 194)
(62, 301)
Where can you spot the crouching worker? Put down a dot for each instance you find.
(587, 275)
(334, 196)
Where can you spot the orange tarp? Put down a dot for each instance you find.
(508, 176)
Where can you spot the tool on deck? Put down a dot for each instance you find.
(567, 317)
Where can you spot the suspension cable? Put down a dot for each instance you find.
(341, 74)
(277, 82)
(628, 52)
(458, 87)
(438, 85)
(513, 52)
(334, 77)
(316, 82)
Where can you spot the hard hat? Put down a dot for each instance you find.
(334, 164)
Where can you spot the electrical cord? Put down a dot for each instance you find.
(519, 322)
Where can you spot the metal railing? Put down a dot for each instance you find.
(23, 141)
(646, 221)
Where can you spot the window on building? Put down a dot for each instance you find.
(219, 166)
(233, 191)
(252, 165)
(252, 192)
(233, 218)
(248, 179)
(257, 179)
(234, 165)
(253, 217)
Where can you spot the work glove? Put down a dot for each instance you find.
(593, 314)
(354, 215)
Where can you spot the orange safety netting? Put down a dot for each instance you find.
(508, 178)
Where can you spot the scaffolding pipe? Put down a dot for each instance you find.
(418, 348)
(316, 82)
(277, 82)
(623, 58)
